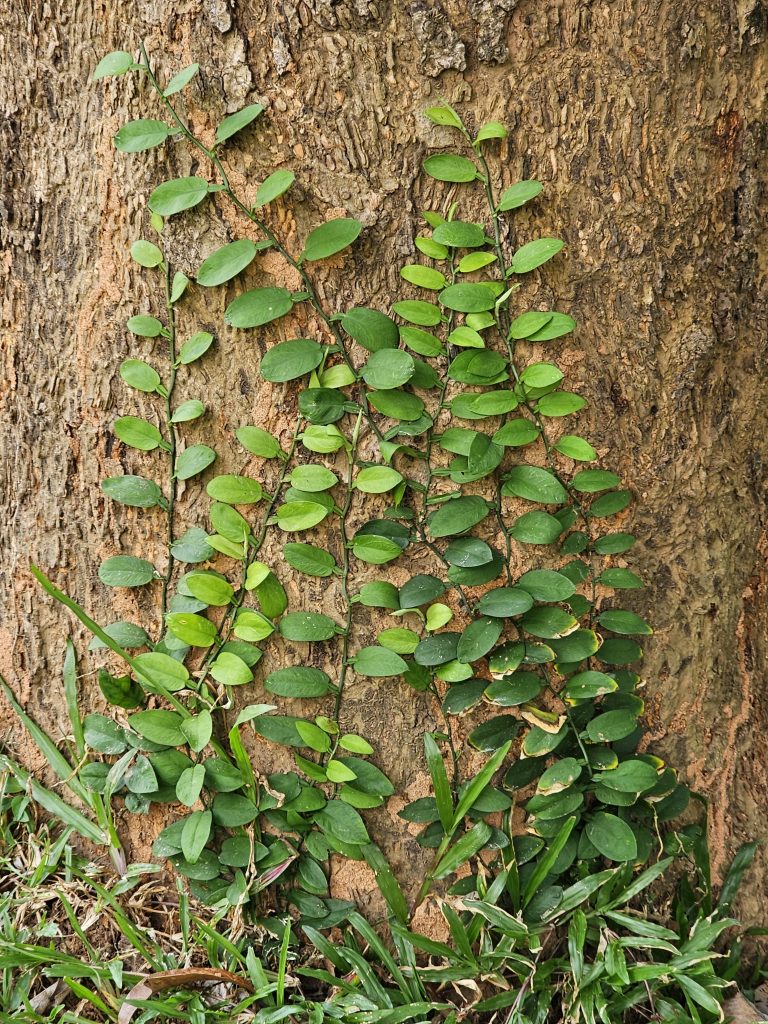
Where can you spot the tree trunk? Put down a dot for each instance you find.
(647, 123)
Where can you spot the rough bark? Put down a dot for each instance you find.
(647, 122)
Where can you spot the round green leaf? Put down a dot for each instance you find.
(146, 253)
(459, 234)
(274, 186)
(532, 255)
(138, 433)
(330, 238)
(307, 626)
(291, 359)
(449, 167)
(370, 328)
(227, 262)
(378, 662)
(178, 195)
(132, 490)
(235, 490)
(236, 122)
(258, 307)
(140, 375)
(388, 368)
(612, 837)
(126, 571)
(377, 479)
(137, 136)
(519, 194)
(469, 298)
(231, 670)
(193, 461)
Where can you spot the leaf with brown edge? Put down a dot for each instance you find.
(162, 980)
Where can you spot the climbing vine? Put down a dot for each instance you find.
(448, 412)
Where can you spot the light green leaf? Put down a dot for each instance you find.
(236, 122)
(330, 238)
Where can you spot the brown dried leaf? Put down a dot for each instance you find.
(162, 980)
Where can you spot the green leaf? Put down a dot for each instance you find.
(193, 461)
(137, 136)
(475, 261)
(620, 579)
(160, 672)
(188, 789)
(274, 186)
(466, 847)
(629, 777)
(534, 484)
(370, 328)
(180, 79)
(198, 730)
(187, 411)
(126, 571)
(291, 359)
(313, 478)
(588, 685)
(590, 481)
(379, 663)
(420, 589)
(505, 602)
(309, 559)
(611, 836)
(146, 254)
(231, 670)
(330, 238)
(103, 735)
(458, 516)
(139, 375)
(611, 726)
(627, 623)
(235, 490)
(560, 403)
(252, 626)
(210, 588)
(536, 527)
(195, 347)
(532, 255)
(343, 823)
(135, 491)
(178, 195)
(427, 314)
(399, 640)
(298, 682)
(423, 277)
(258, 307)
(444, 115)
(115, 63)
(377, 479)
(126, 634)
(159, 726)
(227, 262)
(307, 626)
(519, 194)
(491, 130)
(236, 122)
(449, 167)
(540, 375)
(468, 298)
(300, 515)
(478, 639)
(574, 447)
(138, 433)
(258, 442)
(195, 834)
(457, 234)
(145, 326)
(388, 368)
(547, 585)
(399, 405)
(193, 546)
(440, 784)
(192, 629)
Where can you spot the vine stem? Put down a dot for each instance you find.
(172, 487)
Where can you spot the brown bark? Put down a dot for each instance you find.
(647, 122)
